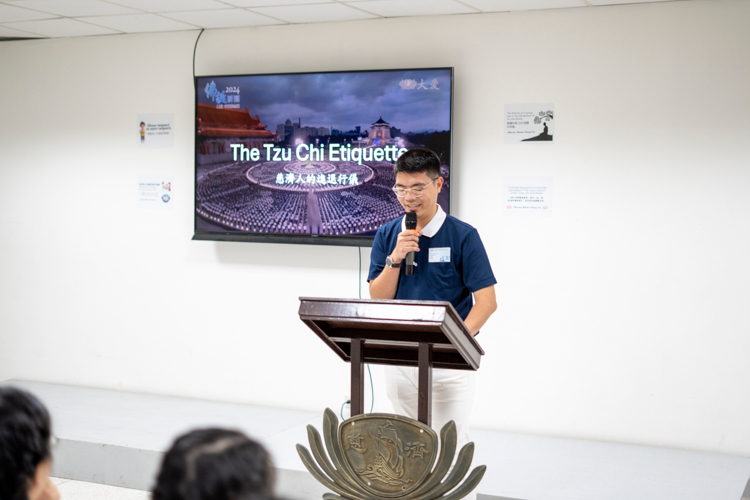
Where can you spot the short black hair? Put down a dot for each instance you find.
(25, 431)
(215, 464)
(418, 160)
(142, 124)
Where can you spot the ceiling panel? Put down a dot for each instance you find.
(273, 3)
(227, 18)
(11, 33)
(139, 23)
(510, 5)
(171, 5)
(10, 14)
(400, 8)
(74, 8)
(61, 28)
(132, 16)
(317, 13)
(619, 2)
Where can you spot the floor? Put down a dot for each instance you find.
(117, 438)
(79, 490)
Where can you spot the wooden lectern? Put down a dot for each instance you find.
(418, 333)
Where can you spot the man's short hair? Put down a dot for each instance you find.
(417, 161)
(24, 440)
(143, 124)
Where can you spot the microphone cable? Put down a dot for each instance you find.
(195, 84)
(369, 373)
(372, 389)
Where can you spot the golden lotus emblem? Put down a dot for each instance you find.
(381, 456)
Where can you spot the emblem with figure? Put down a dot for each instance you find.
(384, 456)
(381, 460)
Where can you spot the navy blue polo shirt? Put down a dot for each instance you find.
(451, 262)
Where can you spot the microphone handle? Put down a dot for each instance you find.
(409, 270)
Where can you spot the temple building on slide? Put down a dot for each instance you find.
(380, 133)
(218, 128)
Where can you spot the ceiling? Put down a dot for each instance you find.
(24, 19)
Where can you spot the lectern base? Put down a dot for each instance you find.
(379, 454)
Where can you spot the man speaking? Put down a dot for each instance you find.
(450, 264)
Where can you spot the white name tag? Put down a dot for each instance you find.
(440, 254)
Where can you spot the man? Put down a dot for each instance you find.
(451, 265)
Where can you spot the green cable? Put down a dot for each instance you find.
(372, 388)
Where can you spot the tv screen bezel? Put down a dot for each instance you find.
(298, 239)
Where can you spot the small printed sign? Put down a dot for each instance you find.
(156, 131)
(529, 122)
(527, 196)
(155, 192)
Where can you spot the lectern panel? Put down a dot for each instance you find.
(392, 330)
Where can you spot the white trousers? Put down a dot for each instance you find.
(452, 397)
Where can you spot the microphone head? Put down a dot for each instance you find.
(411, 220)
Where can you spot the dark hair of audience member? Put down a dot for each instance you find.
(24, 441)
(214, 464)
(417, 161)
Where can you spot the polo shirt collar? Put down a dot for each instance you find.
(433, 226)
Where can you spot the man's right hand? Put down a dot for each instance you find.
(408, 241)
(385, 285)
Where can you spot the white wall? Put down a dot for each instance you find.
(622, 317)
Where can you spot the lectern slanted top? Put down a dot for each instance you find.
(418, 333)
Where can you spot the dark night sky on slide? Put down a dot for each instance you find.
(343, 100)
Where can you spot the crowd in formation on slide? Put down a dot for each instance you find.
(360, 210)
(237, 198)
(226, 198)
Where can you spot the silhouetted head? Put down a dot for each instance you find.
(25, 457)
(214, 464)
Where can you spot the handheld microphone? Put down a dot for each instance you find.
(411, 225)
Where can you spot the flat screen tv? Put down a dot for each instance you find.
(308, 157)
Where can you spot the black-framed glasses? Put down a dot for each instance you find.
(415, 191)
